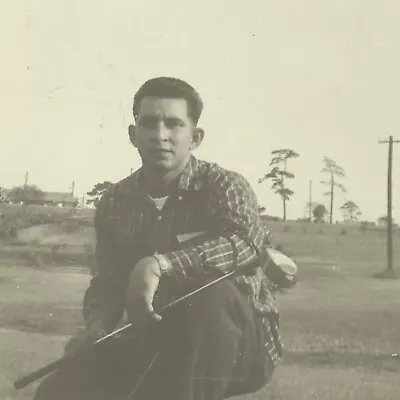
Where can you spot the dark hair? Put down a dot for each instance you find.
(170, 88)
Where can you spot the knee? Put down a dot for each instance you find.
(56, 386)
(46, 389)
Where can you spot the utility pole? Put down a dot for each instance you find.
(25, 185)
(310, 201)
(73, 188)
(389, 205)
(24, 194)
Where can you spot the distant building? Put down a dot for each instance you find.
(54, 199)
(58, 199)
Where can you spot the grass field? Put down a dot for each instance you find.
(340, 325)
(7, 209)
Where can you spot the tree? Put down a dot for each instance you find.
(261, 209)
(319, 213)
(25, 194)
(383, 220)
(307, 207)
(279, 174)
(3, 196)
(350, 210)
(334, 172)
(98, 191)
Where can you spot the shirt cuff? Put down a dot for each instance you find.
(164, 263)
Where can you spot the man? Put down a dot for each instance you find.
(222, 342)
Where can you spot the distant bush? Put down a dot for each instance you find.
(286, 228)
(55, 247)
(41, 219)
(70, 226)
(8, 231)
(265, 217)
(10, 225)
(11, 221)
(365, 226)
(74, 224)
(33, 259)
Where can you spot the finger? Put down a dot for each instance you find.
(140, 307)
(156, 317)
(150, 311)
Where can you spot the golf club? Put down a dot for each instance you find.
(57, 364)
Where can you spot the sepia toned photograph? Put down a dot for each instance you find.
(200, 201)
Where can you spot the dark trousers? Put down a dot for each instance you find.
(210, 347)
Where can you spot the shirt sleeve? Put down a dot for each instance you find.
(233, 206)
(104, 299)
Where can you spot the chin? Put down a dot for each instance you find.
(161, 165)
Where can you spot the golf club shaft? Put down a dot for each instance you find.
(40, 373)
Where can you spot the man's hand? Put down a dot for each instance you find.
(143, 285)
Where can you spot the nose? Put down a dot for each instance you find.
(160, 132)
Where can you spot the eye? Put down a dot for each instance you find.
(172, 123)
(148, 122)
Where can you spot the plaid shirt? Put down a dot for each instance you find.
(209, 199)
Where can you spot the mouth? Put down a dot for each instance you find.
(159, 151)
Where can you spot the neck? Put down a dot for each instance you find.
(160, 183)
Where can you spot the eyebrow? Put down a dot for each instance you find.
(156, 117)
(175, 119)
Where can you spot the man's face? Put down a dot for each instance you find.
(164, 134)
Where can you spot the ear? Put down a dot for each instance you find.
(198, 136)
(132, 134)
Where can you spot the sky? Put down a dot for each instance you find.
(319, 77)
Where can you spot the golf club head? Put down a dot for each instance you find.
(282, 270)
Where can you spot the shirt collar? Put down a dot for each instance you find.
(190, 179)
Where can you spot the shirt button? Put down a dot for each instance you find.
(159, 217)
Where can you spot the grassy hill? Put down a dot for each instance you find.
(57, 235)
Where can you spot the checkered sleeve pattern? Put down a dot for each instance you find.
(234, 207)
(104, 300)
